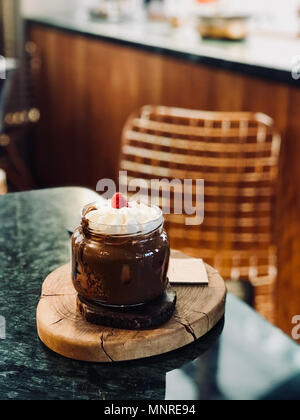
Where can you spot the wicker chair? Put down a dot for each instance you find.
(237, 156)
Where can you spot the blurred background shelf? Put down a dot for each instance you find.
(257, 56)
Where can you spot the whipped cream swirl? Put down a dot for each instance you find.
(137, 218)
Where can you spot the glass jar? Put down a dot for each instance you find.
(120, 270)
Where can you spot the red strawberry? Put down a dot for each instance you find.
(119, 201)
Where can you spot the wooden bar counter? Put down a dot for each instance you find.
(93, 77)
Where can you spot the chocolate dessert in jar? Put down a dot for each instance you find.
(120, 254)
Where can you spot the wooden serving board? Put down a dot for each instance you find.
(62, 329)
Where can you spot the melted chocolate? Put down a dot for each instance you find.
(120, 270)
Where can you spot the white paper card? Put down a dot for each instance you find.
(187, 271)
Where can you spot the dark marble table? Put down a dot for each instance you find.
(244, 357)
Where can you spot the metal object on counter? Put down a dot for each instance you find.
(233, 28)
(156, 11)
(110, 10)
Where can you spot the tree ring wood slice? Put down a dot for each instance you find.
(65, 331)
(150, 315)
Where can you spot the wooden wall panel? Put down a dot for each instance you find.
(88, 88)
(288, 296)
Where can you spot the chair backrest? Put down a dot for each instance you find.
(236, 154)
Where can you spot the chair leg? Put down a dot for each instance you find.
(242, 289)
(3, 184)
(17, 171)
